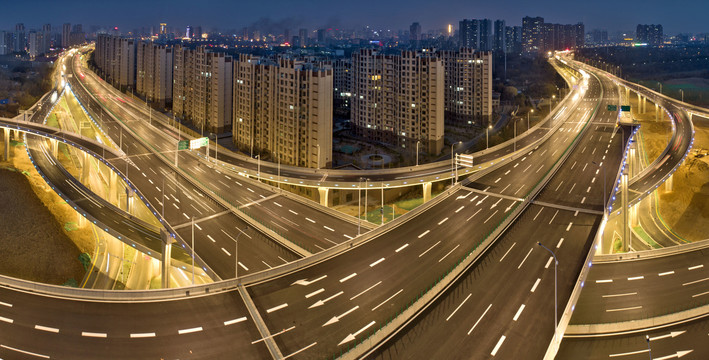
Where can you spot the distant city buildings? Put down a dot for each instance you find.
(154, 71)
(476, 34)
(650, 34)
(468, 86)
(540, 37)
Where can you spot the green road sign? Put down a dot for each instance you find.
(183, 145)
(612, 107)
(198, 143)
(625, 108)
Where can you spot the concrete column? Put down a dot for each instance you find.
(632, 160)
(129, 200)
(113, 188)
(627, 94)
(7, 144)
(657, 113)
(167, 242)
(85, 167)
(668, 183)
(81, 221)
(324, 193)
(427, 191)
(55, 147)
(624, 201)
(634, 215)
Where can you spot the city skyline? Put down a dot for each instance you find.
(394, 15)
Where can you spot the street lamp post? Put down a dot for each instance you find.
(659, 83)
(514, 136)
(530, 112)
(556, 263)
(359, 206)
(382, 204)
(682, 92)
(487, 136)
(417, 152)
(454, 169)
(192, 249)
(258, 165)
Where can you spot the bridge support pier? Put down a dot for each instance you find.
(129, 200)
(427, 191)
(668, 183)
(324, 196)
(624, 201)
(167, 241)
(55, 147)
(634, 215)
(657, 113)
(85, 167)
(112, 195)
(81, 221)
(6, 136)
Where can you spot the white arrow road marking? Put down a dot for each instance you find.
(338, 317)
(495, 204)
(671, 334)
(322, 302)
(306, 283)
(351, 337)
(678, 354)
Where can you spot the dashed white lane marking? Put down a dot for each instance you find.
(314, 293)
(507, 252)
(429, 249)
(497, 347)
(606, 281)
(460, 208)
(548, 262)
(625, 309)
(211, 238)
(226, 252)
(468, 219)
(636, 278)
(387, 300)
(47, 329)
(350, 276)
(142, 335)
(235, 321)
(424, 233)
(689, 268)
(442, 221)
(402, 247)
(536, 283)
(329, 228)
(376, 262)
(24, 351)
(480, 318)
(446, 255)
(292, 212)
(311, 220)
(569, 227)
(525, 258)
(456, 309)
(629, 353)
(619, 295)
(666, 273)
(276, 308)
(93, 334)
(519, 312)
(364, 291)
(277, 204)
(558, 245)
(695, 282)
(552, 218)
(7, 320)
(10, 305)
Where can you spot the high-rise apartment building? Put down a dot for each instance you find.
(154, 73)
(476, 34)
(46, 38)
(415, 33)
(202, 88)
(538, 36)
(398, 99)
(115, 57)
(66, 31)
(20, 40)
(5, 42)
(34, 47)
(500, 36)
(532, 32)
(77, 35)
(303, 37)
(650, 34)
(283, 107)
(468, 86)
(342, 85)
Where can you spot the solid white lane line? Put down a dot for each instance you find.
(442, 221)
(429, 249)
(456, 309)
(24, 351)
(636, 278)
(93, 334)
(689, 268)
(314, 293)
(536, 283)
(666, 273)
(604, 281)
(629, 353)
(695, 281)
(141, 335)
(480, 318)
(365, 290)
(558, 245)
(350, 276)
(618, 295)
(402, 247)
(525, 258)
(446, 255)
(276, 308)
(387, 300)
(625, 309)
(376, 262)
(497, 347)
(519, 312)
(47, 328)
(552, 218)
(424, 233)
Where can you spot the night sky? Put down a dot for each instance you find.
(614, 15)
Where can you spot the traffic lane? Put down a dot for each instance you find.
(211, 327)
(473, 315)
(686, 340)
(580, 181)
(638, 289)
(303, 227)
(653, 225)
(215, 240)
(373, 277)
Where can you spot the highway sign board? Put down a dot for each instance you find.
(612, 107)
(183, 145)
(625, 108)
(198, 143)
